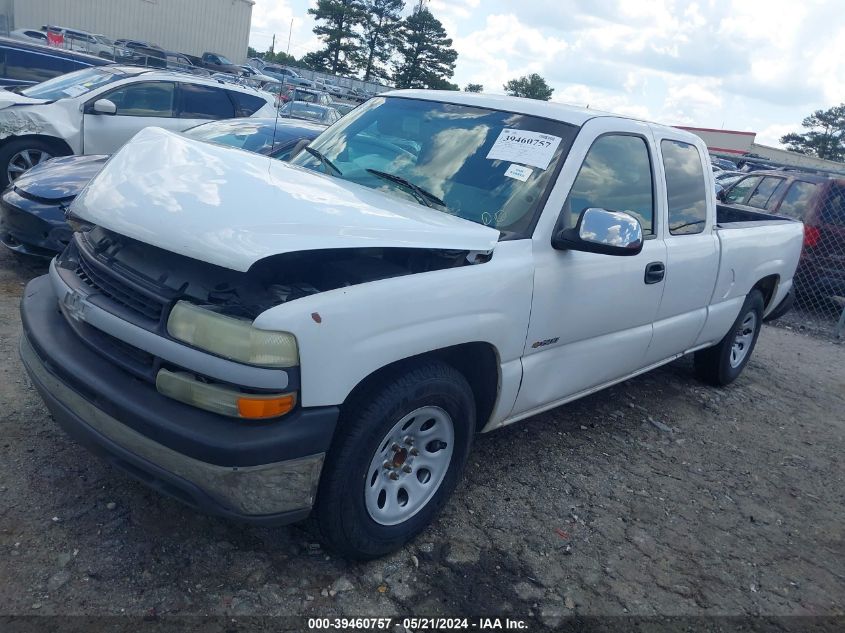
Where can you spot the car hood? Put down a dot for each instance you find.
(60, 178)
(233, 208)
(9, 98)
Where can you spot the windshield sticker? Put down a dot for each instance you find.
(75, 91)
(523, 146)
(520, 172)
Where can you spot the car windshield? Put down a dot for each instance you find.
(101, 39)
(486, 166)
(244, 134)
(224, 60)
(72, 84)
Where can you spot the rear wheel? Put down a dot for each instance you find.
(397, 456)
(723, 363)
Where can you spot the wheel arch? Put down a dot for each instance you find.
(477, 361)
(768, 288)
(60, 144)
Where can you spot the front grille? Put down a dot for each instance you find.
(118, 291)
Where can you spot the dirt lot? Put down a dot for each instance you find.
(659, 496)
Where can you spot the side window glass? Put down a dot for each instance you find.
(247, 104)
(686, 187)
(797, 199)
(616, 175)
(739, 192)
(764, 191)
(148, 99)
(205, 102)
(36, 67)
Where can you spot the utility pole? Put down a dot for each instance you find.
(273, 45)
(290, 32)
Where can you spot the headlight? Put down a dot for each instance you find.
(231, 338)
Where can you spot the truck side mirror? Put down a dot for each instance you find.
(104, 106)
(602, 231)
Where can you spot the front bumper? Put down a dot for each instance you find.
(263, 473)
(32, 228)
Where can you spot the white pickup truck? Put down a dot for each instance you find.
(260, 340)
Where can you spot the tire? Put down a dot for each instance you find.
(41, 151)
(356, 471)
(721, 364)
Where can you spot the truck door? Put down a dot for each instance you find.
(692, 248)
(592, 314)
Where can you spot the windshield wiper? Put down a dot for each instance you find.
(425, 197)
(322, 158)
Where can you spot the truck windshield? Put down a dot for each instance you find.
(487, 166)
(72, 84)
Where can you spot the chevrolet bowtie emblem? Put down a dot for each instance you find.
(74, 305)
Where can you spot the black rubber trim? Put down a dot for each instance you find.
(150, 474)
(206, 436)
(783, 307)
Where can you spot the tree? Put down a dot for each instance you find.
(427, 59)
(251, 52)
(336, 22)
(826, 135)
(378, 39)
(474, 88)
(531, 86)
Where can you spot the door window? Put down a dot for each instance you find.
(35, 66)
(739, 192)
(205, 102)
(686, 187)
(764, 191)
(797, 199)
(616, 175)
(147, 99)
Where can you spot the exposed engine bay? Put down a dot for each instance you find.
(269, 282)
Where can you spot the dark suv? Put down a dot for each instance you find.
(24, 63)
(819, 202)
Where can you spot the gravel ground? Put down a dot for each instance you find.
(660, 496)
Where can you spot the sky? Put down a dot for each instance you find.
(748, 65)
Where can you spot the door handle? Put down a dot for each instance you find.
(654, 272)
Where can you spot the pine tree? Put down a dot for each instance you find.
(378, 36)
(427, 57)
(336, 23)
(825, 137)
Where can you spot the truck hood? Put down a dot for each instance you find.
(233, 208)
(60, 178)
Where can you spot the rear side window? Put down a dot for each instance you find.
(205, 102)
(833, 211)
(246, 104)
(147, 99)
(616, 175)
(739, 192)
(686, 187)
(32, 66)
(764, 192)
(797, 199)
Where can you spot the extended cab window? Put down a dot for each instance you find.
(764, 192)
(739, 192)
(615, 175)
(797, 199)
(686, 187)
(147, 99)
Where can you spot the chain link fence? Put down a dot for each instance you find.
(819, 281)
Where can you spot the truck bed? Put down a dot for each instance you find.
(728, 217)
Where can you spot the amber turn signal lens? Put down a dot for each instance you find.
(259, 408)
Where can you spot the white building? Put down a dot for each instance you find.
(187, 26)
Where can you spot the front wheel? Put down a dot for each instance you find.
(721, 364)
(397, 456)
(20, 155)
